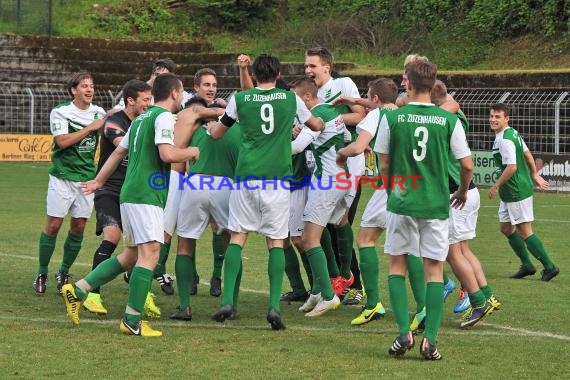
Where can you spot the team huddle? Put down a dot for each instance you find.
(312, 130)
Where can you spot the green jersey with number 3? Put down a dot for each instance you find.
(420, 137)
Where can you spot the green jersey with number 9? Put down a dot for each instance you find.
(266, 118)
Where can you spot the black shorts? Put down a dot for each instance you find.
(107, 210)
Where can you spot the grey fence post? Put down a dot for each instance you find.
(557, 122)
(32, 109)
(504, 97)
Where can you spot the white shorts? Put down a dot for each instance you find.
(463, 223)
(142, 223)
(516, 212)
(296, 207)
(198, 206)
(375, 212)
(253, 209)
(420, 237)
(65, 196)
(325, 206)
(172, 203)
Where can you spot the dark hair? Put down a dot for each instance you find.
(385, 89)
(167, 63)
(323, 53)
(266, 68)
(76, 78)
(498, 107)
(438, 93)
(164, 84)
(196, 100)
(133, 88)
(306, 85)
(200, 73)
(280, 83)
(421, 74)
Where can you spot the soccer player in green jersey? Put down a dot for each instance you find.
(415, 267)
(517, 169)
(478, 295)
(74, 127)
(382, 94)
(149, 143)
(136, 97)
(265, 115)
(205, 196)
(205, 87)
(413, 142)
(298, 198)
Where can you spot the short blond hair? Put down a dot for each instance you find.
(415, 57)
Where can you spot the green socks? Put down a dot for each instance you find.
(519, 247)
(307, 267)
(139, 286)
(487, 291)
(47, 246)
(275, 270)
(321, 279)
(345, 238)
(399, 302)
(232, 268)
(417, 281)
(293, 271)
(71, 249)
(434, 310)
(477, 299)
(160, 268)
(184, 269)
(369, 270)
(104, 273)
(327, 248)
(236, 288)
(535, 247)
(218, 252)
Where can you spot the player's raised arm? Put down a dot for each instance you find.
(108, 168)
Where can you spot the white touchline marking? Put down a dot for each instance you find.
(2, 254)
(291, 327)
(513, 330)
(535, 206)
(527, 332)
(35, 258)
(536, 219)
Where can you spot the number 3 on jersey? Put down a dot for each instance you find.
(420, 152)
(266, 114)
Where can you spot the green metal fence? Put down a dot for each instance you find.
(27, 16)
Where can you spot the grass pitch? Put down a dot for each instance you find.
(527, 338)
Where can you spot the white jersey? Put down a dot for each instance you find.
(331, 91)
(336, 87)
(68, 115)
(370, 123)
(328, 142)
